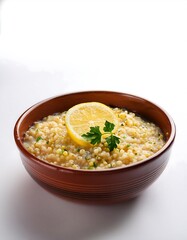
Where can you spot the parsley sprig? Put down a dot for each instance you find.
(94, 135)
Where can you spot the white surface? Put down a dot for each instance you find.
(53, 47)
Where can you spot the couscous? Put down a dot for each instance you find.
(49, 141)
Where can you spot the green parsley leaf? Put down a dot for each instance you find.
(94, 135)
(112, 142)
(38, 138)
(108, 127)
(95, 164)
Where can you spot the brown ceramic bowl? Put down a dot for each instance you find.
(105, 186)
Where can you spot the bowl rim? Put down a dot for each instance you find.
(23, 150)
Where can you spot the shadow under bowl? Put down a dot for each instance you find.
(98, 186)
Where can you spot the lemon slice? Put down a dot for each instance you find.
(82, 116)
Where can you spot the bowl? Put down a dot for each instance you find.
(98, 186)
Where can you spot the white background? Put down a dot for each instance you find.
(54, 47)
